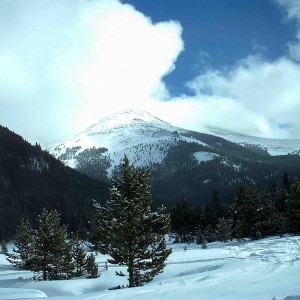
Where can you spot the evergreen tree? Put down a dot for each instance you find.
(204, 244)
(21, 253)
(78, 256)
(200, 237)
(217, 210)
(91, 268)
(49, 246)
(82, 231)
(224, 230)
(253, 214)
(182, 221)
(128, 231)
(210, 234)
(65, 265)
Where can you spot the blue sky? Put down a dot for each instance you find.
(218, 33)
(65, 64)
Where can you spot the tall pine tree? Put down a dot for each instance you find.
(127, 229)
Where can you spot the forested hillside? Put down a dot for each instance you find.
(31, 179)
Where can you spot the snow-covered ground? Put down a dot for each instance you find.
(265, 269)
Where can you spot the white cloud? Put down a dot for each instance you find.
(64, 64)
(292, 9)
(255, 96)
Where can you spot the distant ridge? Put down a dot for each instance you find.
(273, 146)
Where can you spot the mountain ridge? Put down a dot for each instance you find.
(274, 147)
(183, 162)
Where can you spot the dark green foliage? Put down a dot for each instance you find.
(292, 208)
(217, 209)
(78, 256)
(31, 179)
(3, 247)
(253, 214)
(82, 232)
(66, 263)
(236, 165)
(49, 247)
(21, 253)
(93, 163)
(210, 234)
(224, 230)
(200, 237)
(128, 231)
(91, 269)
(46, 252)
(182, 216)
(204, 244)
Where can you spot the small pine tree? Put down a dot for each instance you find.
(78, 256)
(210, 234)
(66, 264)
(199, 236)
(49, 246)
(91, 268)
(204, 244)
(22, 252)
(224, 230)
(201, 239)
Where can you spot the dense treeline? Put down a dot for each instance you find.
(251, 214)
(31, 179)
(233, 165)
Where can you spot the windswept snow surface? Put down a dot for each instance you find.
(251, 270)
(273, 146)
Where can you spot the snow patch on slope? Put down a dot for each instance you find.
(203, 156)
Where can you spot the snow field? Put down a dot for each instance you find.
(265, 269)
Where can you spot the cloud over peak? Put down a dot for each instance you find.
(65, 64)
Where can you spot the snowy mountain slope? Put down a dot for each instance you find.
(182, 162)
(273, 146)
(142, 137)
(266, 269)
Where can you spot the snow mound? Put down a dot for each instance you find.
(16, 293)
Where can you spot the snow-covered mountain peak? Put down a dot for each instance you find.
(144, 138)
(127, 119)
